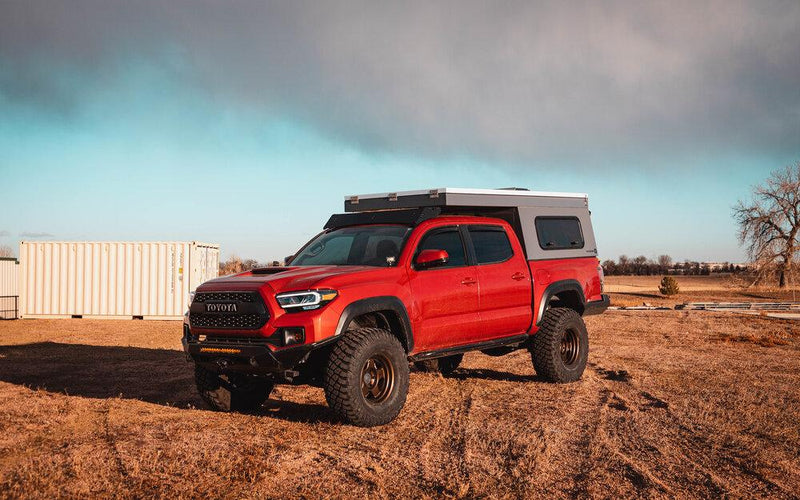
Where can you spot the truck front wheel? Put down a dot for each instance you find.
(231, 392)
(366, 378)
(560, 348)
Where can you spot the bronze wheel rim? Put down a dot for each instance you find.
(377, 379)
(570, 347)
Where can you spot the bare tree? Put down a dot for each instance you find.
(624, 264)
(6, 251)
(769, 224)
(235, 265)
(640, 265)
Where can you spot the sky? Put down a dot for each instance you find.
(247, 123)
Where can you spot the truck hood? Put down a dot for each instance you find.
(282, 278)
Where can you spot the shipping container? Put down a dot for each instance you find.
(112, 279)
(9, 290)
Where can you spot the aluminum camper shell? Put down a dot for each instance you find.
(519, 207)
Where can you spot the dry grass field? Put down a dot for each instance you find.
(673, 404)
(636, 290)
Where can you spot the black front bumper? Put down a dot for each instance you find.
(243, 357)
(597, 306)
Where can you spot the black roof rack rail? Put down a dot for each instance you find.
(407, 217)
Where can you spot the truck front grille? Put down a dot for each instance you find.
(228, 311)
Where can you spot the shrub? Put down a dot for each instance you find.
(669, 286)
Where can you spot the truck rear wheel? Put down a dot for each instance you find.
(445, 365)
(366, 378)
(560, 348)
(231, 392)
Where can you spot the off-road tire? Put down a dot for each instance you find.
(345, 372)
(445, 365)
(232, 392)
(560, 326)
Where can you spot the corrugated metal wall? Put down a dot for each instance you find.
(206, 266)
(112, 279)
(9, 271)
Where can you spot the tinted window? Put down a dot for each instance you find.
(491, 244)
(354, 246)
(559, 232)
(445, 239)
(332, 250)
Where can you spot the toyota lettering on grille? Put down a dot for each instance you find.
(229, 307)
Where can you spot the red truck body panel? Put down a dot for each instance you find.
(584, 271)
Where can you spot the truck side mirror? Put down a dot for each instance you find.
(431, 258)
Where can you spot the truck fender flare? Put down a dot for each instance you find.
(554, 289)
(375, 304)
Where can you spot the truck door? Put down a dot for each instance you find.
(445, 296)
(504, 281)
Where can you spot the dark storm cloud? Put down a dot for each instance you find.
(519, 82)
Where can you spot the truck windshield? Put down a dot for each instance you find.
(354, 246)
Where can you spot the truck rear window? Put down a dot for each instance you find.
(559, 233)
(490, 243)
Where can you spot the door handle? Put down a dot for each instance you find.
(518, 276)
(468, 281)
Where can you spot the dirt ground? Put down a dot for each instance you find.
(638, 290)
(673, 404)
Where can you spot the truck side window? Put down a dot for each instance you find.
(448, 239)
(559, 233)
(491, 244)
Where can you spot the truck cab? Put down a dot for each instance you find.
(419, 277)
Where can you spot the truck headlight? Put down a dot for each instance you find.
(305, 301)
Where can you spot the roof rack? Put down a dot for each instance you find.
(408, 217)
(459, 197)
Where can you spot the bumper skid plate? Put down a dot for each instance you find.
(250, 358)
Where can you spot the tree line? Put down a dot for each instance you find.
(642, 266)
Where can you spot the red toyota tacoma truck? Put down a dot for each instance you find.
(420, 277)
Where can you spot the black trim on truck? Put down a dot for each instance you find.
(411, 217)
(554, 289)
(597, 306)
(377, 304)
(479, 346)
